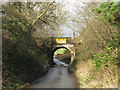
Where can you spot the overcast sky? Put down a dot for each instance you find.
(69, 5)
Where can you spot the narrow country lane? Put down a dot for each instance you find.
(57, 77)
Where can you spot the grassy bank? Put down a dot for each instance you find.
(97, 57)
(100, 70)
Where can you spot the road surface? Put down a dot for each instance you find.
(57, 77)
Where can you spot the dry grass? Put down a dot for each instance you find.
(90, 78)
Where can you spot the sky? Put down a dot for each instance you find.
(67, 32)
(69, 6)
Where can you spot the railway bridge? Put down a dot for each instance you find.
(67, 43)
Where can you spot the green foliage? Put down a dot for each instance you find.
(100, 41)
(107, 57)
(109, 12)
(101, 58)
(60, 51)
(115, 43)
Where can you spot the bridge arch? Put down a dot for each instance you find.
(68, 47)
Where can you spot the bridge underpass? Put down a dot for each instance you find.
(61, 42)
(58, 76)
(69, 47)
